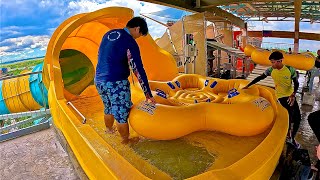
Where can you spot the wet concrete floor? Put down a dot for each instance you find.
(305, 135)
(35, 156)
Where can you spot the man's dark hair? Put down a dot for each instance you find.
(276, 55)
(138, 22)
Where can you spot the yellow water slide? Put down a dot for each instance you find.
(69, 68)
(25, 92)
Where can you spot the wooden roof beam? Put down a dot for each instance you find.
(250, 7)
(287, 34)
(190, 6)
(297, 15)
(227, 2)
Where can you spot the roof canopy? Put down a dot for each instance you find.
(252, 10)
(275, 10)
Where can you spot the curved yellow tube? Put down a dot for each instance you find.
(17, 95)
(248, 50)
(304, 61)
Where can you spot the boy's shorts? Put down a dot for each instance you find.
(116, 97)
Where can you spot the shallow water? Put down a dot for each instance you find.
(176, 157)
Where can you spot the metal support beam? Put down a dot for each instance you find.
(287, 34)
(190, 6)
(297, 12)
(154, 20)
(283, 19)
(219, 62)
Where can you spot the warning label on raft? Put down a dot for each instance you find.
(261, 103)
(147, 107)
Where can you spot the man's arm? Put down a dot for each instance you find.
(291, 98)
(294, 78)
(134, 59)
(257, 79)
(295, 85)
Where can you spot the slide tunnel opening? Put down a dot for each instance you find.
(77, 71)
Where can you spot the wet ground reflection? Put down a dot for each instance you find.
(305, 135)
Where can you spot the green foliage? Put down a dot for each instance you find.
(8, 122)
(22, 118)
(25, 125)
(28, 63)
(16, 72)
(17, 68)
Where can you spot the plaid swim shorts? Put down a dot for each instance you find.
(116, 97)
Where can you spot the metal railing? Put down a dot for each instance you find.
(20, 75)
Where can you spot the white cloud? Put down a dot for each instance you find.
(271, 25)
(311, 28)
(309, 45)
(22, 46)
(31, 51)
(3, 49)
(75, 7)
(4, 53)
(12, 30)
(14, 46)
(46, 3)
(156, 30)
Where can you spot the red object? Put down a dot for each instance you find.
(239, 65)
(236, 34)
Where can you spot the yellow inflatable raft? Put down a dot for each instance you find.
(192, 103)
(304, 61)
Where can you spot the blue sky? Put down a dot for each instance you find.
(26, 25)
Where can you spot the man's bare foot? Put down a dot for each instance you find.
(134, 140)
(125, 141)
(110, 130)
(131, 141)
